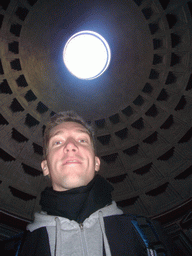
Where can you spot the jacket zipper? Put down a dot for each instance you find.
(84, 246)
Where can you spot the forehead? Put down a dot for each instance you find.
(68, 127)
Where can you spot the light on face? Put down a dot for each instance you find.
(86, 55)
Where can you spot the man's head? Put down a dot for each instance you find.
(59, 118)
(69, 155)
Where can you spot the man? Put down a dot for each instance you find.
(78, 215)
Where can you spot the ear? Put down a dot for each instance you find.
(97, 163)
(44, 168)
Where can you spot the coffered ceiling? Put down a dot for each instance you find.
(141, 107)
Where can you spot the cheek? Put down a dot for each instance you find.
(51, 159)
(91, 158)
(54, 153)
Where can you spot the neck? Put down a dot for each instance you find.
(77, 203)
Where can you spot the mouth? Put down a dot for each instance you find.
(71, 161)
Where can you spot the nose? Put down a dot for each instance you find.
(70, 146)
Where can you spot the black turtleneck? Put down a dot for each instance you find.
(77, 203)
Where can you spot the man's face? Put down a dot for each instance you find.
(71, 161)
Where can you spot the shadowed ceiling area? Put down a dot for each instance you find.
(140, 107)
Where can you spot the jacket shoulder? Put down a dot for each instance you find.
(121, 235)
(37, 241)
(139, 231)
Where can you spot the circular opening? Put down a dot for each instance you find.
(86, 55)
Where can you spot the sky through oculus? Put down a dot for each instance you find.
(86, 55)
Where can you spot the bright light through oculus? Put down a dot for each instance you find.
(86, 55)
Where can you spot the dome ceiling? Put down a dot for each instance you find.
(141, 107)
(42, 41)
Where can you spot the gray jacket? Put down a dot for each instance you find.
(69, 238)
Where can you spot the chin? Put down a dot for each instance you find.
(74, 183)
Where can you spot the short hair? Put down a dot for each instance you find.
(61, 117)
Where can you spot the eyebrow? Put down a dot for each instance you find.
(62, 132)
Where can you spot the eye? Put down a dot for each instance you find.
(82, 140)
(57, 142)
